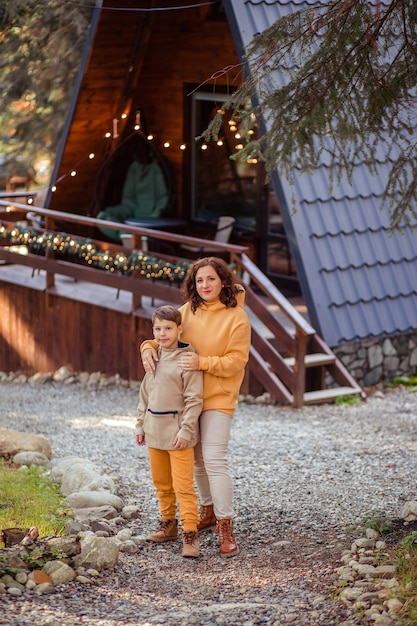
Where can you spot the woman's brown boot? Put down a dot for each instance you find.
(207, 518)
(228, 545)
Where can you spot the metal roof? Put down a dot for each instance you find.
(358, 279)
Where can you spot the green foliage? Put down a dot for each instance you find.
(41, 45)
(29, 499)
(405, 558)
(329, 82)
(410, 382)
(346, 400)
(410, 541)
(375, 521)
(37, 558)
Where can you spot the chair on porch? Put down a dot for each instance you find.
(222, 235)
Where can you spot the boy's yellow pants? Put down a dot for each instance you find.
(173, 476)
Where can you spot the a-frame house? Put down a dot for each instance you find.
(167, 69)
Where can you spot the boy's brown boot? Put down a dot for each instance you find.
(228, 545)
(168, 531)
(207, 518)
(190, 543)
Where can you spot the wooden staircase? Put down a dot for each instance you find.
(296, 367)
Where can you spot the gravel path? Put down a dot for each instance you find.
(303, 479)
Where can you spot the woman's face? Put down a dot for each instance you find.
(208, 283)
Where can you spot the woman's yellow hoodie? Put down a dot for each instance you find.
(221, 337)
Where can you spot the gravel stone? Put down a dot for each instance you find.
(303, 479)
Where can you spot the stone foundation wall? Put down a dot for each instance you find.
(378, 361)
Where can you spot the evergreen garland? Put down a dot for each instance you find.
(85, 252)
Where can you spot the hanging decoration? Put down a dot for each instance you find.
(85, 252)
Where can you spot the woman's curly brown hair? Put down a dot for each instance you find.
(230, 285)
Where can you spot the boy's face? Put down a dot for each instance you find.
(166, 333)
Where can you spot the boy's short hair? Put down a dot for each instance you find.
(167, 312)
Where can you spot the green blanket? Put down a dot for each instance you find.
(145, 194)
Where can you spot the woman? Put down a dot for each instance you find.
(215, 323)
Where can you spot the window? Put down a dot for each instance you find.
(219, 185)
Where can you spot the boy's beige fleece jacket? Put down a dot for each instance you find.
(221, 337)
(170, 401)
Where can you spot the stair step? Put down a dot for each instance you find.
(329, 395)
(313, 360)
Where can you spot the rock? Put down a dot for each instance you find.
(62, 374)
(30, 458)
(14, 591)
(85, 499)
(100, 526)
(59, 572)
(39, 577)
(409, 511)
(124, 535)
(13, 441)
(71, 546)
(41, 379)
(59, 467)
(93, 513)
(97, 552)
(131, 512)
(128, 547)
(80, 477)
(44, 589)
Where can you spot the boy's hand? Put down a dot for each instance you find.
(140, 440)
(179, 443)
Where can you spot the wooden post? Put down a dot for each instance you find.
(299, 368)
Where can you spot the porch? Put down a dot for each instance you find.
(60, 311)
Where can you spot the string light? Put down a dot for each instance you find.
(67, 247)
(151, 137)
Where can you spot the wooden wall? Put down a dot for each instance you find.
(40, 333)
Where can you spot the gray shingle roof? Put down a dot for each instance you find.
(358, 279)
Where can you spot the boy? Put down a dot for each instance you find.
(170, 403)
